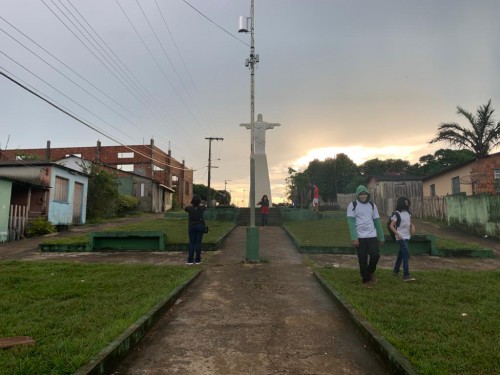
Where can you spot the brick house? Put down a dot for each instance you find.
(473, 177)
(145, 160)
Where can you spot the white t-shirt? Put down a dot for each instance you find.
(363, 215)
(404, 226)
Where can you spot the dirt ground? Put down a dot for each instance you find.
(240, 318)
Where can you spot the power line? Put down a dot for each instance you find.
(83, 122)
(220, 27)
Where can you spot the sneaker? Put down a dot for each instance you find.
(409, 278)
(197, 262)
(189, 263)
(373, 278)
(368, 285)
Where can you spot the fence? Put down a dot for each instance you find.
(434, 207)
(18, 220)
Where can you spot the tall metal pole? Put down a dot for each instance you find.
(252, 117)
(252, 246)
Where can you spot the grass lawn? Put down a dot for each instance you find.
(175, 229)
(335, 232)
(447, 322)
(74, 310)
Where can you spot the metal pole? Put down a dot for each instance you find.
(252, 118)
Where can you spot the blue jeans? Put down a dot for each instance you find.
(403, 256)
(195, 232)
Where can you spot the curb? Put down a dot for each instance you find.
(395, 361)
(117, 350)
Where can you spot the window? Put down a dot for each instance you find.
(142, 189)
(77, 155)
(156, 168)
(61, 190)
(455, 185)
(126, 167)
(125, 155)
(433, 190)
(496, 177)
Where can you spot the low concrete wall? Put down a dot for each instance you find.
(479, 213)
(124, 241)
(299, 214)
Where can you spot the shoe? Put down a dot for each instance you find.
(373, 278)
(197, 262)
(189, 263)
(409, 278)
(368, 285)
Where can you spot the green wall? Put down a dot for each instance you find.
(5, 195)
(478, 213)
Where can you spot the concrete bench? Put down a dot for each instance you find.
(127, 241)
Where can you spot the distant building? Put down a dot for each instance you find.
(46, 189)
(145, 160)
(473, 177)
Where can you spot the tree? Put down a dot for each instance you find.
(480, 139)
(442, 159)
(102, 195)
(389, 167)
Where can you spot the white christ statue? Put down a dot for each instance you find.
(262, 183)
(260, 133)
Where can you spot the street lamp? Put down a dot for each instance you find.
(252, 247)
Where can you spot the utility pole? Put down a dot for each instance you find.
(210, 139)
(252, 247)
(226, 201)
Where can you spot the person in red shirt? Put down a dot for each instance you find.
(315, 197)
(264, 209)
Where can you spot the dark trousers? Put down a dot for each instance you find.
(195, 232)
(368, 256)
(263, 219)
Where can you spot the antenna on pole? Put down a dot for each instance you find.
(210, 139)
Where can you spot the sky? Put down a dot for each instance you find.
(368, 78)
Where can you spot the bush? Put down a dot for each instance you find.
(39, 227)
(126, 204)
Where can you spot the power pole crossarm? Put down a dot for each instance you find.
(210, 139)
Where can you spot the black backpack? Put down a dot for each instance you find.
(398, 222)
(355, 203)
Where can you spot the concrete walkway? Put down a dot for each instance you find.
(237, 318)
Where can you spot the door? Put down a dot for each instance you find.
(77, 203)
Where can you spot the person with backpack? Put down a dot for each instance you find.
(402, 228)
(196, 229)
(366, 234)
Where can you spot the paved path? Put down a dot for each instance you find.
(237, 318)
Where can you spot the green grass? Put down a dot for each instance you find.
(424, 320)
(175, 229)
(74, 310)
(335, 232)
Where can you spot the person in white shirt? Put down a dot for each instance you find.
(403, 231)
(366, 234)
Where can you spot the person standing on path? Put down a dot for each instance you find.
(366, 234)
(315, 198)
(403, 231)
(196, 228)
(264, 210)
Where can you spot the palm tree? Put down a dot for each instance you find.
(484, 135)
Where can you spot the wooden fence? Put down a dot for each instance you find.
(18, 220)
(430, 207)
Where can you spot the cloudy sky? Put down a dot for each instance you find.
(370, 78)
